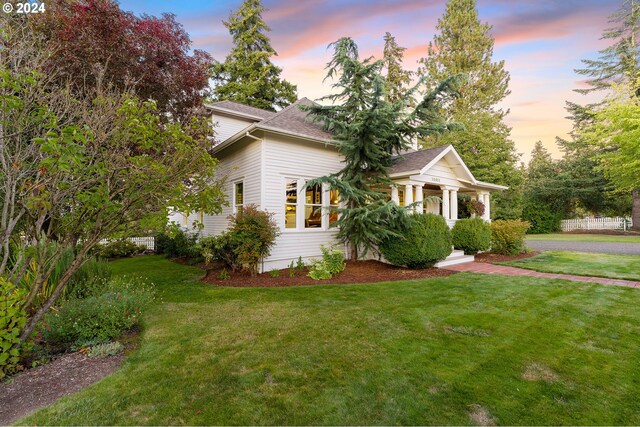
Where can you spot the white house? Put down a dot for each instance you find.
(267, 157)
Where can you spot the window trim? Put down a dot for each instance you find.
(235, 194)
(301, 205)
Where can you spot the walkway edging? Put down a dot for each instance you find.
(486, 268)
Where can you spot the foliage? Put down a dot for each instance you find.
(332, 262)
(507, 236)
(220, 248)
(95, 40)
(99, 318)
(274, 273)
(475, 206)
(464, 46)
(180, 244)
(471, 235)
(542, 218)
(13, 319)
(253, 233)
(425, 240)
(224, 274)
(397, 78)
(247, 75)
(91, 279)
(369, 130)
(106, 349)
(121, 248)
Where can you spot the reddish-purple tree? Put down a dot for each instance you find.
(94, 39)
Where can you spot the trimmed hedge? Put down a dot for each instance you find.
(425, 240)
(507, 236)
(472, 235)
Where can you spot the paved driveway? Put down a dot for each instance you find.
(597, 247)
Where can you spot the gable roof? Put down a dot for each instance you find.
(241, 110)
(415, 160)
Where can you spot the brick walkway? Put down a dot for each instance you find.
(486, 268)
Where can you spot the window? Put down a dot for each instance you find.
(238, 196)
(334, 199)
(400, 196)
(313, 207)
(290, 204)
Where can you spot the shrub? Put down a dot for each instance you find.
(475, 206)
(542, 219)
(253, 232)
(106, 349)
(178, 244)
(507, 236)
(12, 320)
(471, 235)
(274, 273)
(425, 240)
(220, 248)
(117, 249)
(332, 262)
(98, 318)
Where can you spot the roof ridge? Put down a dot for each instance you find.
(242, 104)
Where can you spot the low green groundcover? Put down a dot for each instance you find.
(464, 349)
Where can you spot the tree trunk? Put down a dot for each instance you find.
(635, 209)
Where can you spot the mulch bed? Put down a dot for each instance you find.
(494, 258)
(355, 272)
(35, 388)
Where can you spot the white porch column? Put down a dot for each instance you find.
(487, 207)
(408, 195)
(394, 195)
(454, 204)
(445, 204)
(419, 199)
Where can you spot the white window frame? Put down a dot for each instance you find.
(301, 205)
(234, 194)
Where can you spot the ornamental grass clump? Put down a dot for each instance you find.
(425, 240)
(472, 235)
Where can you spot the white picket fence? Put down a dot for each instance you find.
(617, 223)
(147, 242)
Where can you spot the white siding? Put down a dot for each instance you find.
(294, 158)
(240, 162)
(227, 126)
(442, 174)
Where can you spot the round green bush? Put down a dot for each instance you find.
(542, 218)
(472, 235)
(426, 240)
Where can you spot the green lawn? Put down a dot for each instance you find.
(585, 238)
(583, 264)
(458, 350)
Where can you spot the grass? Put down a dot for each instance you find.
(583, 264)
(586, 238)
(465, 349)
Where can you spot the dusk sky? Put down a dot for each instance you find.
(541, 42)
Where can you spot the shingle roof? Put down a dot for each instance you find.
(415, 160)
(243, 109)
(293, 120)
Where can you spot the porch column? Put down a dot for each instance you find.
(408, 196)
(454, 204)
(445, 204)
(419, 199)
(487, 207)
(394, 195)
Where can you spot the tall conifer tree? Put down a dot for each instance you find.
(464, 45)
(369, 130)
(247, 75)
(398, 79)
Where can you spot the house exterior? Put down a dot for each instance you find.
(267, 157)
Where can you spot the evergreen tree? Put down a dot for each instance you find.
(617, 64)
(369, 130)
(398, 79)
(464, 46)
(247, 75)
